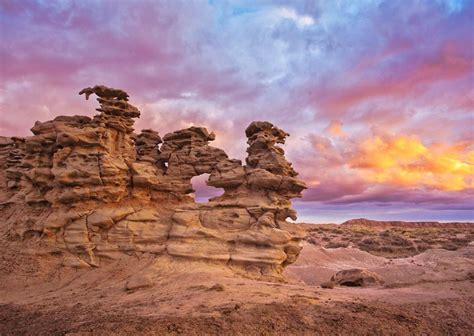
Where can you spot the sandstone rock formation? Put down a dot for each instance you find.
(92, 189)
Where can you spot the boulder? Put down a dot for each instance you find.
(357, 278)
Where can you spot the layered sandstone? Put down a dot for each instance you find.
(93, 190)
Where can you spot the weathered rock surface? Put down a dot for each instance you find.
(138, 281)
(95, 190)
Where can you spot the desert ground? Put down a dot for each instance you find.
(427, 289)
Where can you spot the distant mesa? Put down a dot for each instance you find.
(374, 223)
(96, 190)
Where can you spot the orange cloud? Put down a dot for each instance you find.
(335, 129)
(406, 161)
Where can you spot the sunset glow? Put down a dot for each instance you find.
(378, 96)
(405, 162)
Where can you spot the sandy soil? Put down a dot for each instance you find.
(429, 293)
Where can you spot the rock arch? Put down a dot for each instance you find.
(96, 190)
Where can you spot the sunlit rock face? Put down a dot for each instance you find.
(94, 190)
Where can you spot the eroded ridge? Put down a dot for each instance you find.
(94, 190)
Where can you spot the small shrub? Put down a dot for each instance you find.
(422, 247)
(450, 246)
(371, 242)
(336, 244)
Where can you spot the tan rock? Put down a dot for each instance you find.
(357, 278)
(94, 188)
(138, 281)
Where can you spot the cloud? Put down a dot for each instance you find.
(377, 97)
(335, 129)
(289, 13)
(380, 168)
(405, 161)
(404, 81)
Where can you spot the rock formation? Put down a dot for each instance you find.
(92, 189)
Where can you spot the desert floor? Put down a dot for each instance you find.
(428, 290)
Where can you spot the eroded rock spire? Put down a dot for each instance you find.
(97, 191)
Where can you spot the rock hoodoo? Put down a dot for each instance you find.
(94, 190)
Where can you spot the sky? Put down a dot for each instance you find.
(378, 96)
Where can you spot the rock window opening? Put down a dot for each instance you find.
(202, 192)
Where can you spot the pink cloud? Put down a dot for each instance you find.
(185, 63)
(449, 64)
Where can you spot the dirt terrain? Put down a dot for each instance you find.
(424, 293)
(391, 239)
